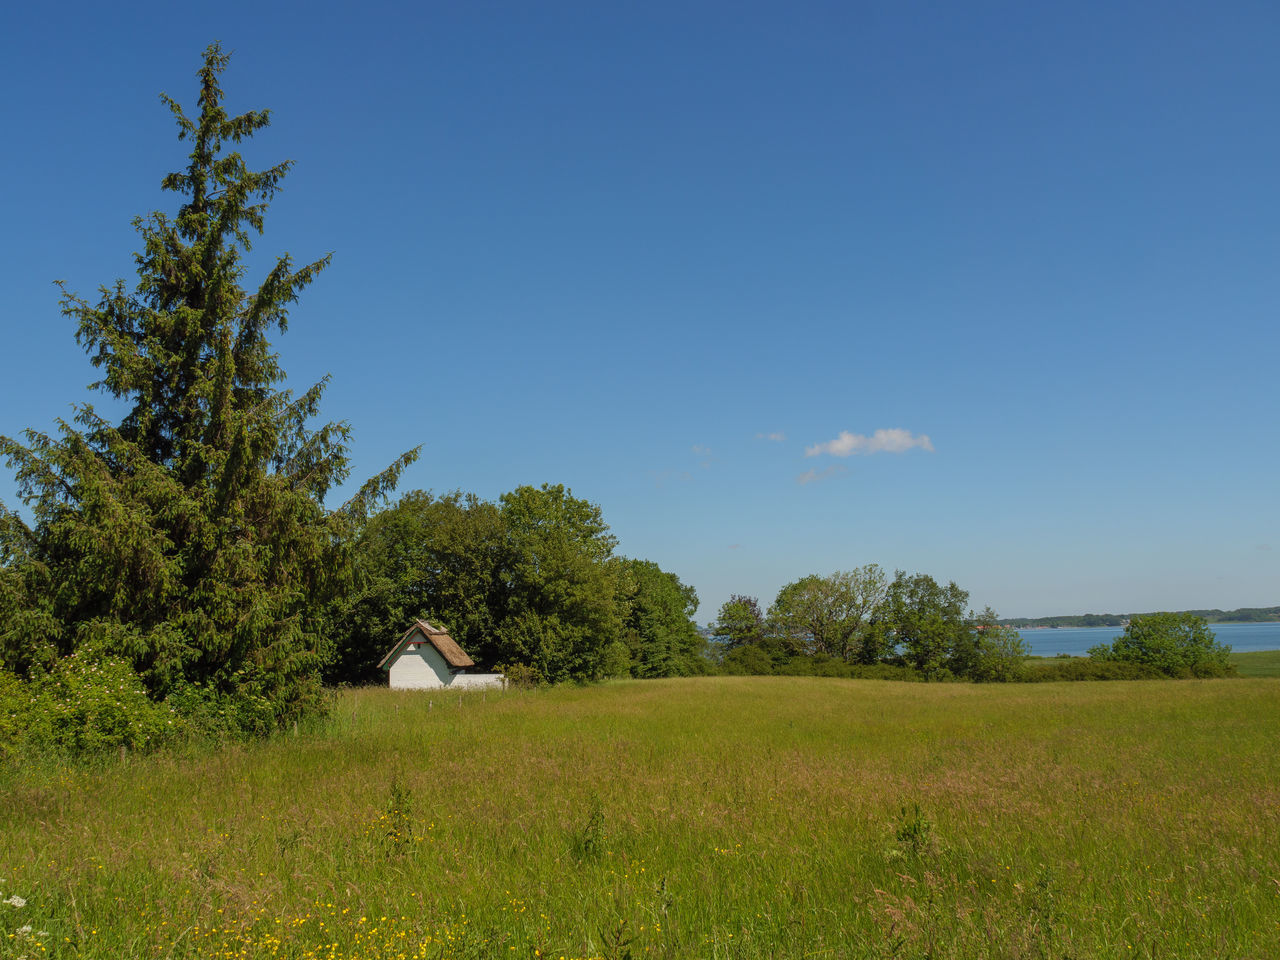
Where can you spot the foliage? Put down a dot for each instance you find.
(997, 654)
(915, 832)
(662, 638)
(859, 623)
(528, 581)
(1176, 644)
(191, 539)
(739, 623)
(88, 703)
(1085, 668)
(520, 677)
(927, 622)
(832, 615)
(856, 624)
(562, 605)
(821, 666)
(748, 659)
(439, 558)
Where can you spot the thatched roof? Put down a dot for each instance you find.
(445, 644)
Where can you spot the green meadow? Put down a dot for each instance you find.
(1257, 663)
(715, 817)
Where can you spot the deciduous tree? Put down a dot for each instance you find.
(926, 621)
(833, 615)
(740, 622)
(563, 611)
(660, 632)
(1177, 644)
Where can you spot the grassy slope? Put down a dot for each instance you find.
(727, 817)
(1257, 663)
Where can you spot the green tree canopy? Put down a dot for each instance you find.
(659, 630)
(192, 538)
(1177, 644)
(529, 580)
(926, 621)
(739, 622)
(563, 611)
(444, 559)
(833, 615)
(998, 653)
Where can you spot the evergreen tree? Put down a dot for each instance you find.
(192, 537)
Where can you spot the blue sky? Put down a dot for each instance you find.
(984, 290)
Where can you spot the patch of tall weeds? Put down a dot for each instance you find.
(587, 842)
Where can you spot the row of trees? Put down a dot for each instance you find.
(529, 581)
(865, 617)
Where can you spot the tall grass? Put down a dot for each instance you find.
(719, 817)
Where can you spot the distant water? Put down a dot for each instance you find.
(1051, 641)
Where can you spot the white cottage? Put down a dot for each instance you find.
(427, 658)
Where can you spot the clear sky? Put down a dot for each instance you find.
(984, 290)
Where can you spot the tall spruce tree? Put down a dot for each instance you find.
(191, 538)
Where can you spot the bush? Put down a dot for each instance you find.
(885, 671)
(86, 704)
(1081, 668)
(747, 659)
(521, 677)
(1175, 644)
(221, 715)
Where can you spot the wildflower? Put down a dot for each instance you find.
(16, 901)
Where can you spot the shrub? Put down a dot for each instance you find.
(521, 677)
(1175, 644)
(885, 671)
(748, 659)
(1081, 668)
(91, 703)
(241, 713)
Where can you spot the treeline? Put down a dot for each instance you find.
(1242, 615)
(529, 585)
(864, 623)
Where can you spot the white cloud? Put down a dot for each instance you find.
(882, 441)
(776, 437)
(701, 450)
(809, 476)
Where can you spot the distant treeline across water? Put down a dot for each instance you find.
(1076, 641)
(1242, 615)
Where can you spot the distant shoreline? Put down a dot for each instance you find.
(1085, 620)
(1024, 625)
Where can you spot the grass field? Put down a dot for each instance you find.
(720, 817)
(1257, 663)
(1249, 663)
